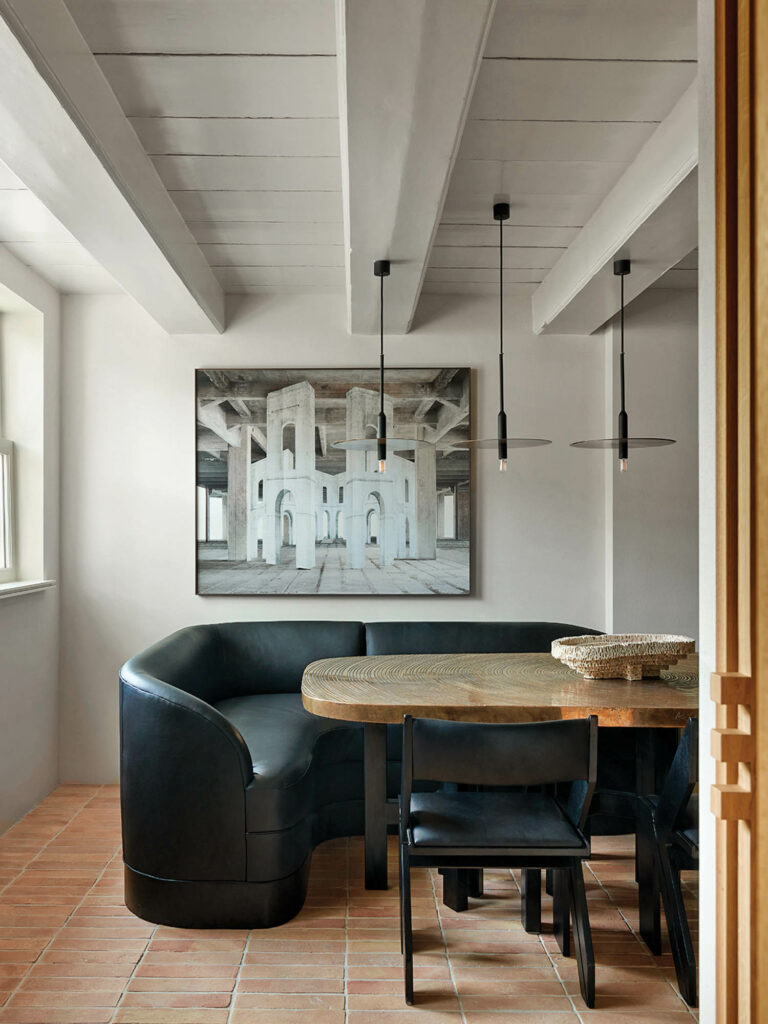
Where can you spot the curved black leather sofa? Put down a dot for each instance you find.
(228, 784)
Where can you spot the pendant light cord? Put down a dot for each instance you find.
(501, 314)
(381, 343)
(621, 356)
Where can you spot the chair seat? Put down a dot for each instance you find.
(509, 820)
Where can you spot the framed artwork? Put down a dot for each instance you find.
(280, 510)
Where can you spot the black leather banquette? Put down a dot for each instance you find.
(228, 784)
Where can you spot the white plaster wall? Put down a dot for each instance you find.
(128, 503)
(652, 522)
(29, 624)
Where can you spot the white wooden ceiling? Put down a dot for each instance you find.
(568, 93)
(237, 105)
(41, 242)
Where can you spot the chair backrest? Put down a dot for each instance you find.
(680, 780)
(527, 754)
(466, 637)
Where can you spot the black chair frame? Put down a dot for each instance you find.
(565, 863)
(665, 849)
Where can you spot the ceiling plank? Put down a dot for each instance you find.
(415, 62)
(206, 26)
(594, 29)
(71, 145)
(649, 216)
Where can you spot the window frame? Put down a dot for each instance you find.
(7, 507)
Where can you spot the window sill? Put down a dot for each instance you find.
(19, 587)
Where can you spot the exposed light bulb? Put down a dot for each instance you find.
(502, 465)
(622, 465)
(382, 465)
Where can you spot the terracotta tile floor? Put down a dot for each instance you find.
(70, 952)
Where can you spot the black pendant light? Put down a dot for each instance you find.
(501, 442)
(381, 443)
(623, 442)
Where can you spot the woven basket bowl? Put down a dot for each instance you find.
(631, 656)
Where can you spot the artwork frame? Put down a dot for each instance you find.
(268, 522)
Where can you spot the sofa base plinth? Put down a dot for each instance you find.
(216, 904)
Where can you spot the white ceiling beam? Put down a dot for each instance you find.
(407, 71)
(650, 216)
(64, 134)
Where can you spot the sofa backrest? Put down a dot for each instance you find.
(466, 637)
(231, 659)
(270, 657)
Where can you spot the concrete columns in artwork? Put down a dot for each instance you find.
(424, 534)
(238, 469)
(285, 478)
(462, 513)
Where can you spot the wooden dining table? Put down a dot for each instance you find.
(378, 690)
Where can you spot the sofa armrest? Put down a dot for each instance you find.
(183, 773)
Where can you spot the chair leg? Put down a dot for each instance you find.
(561, 911)
(406, 924)
(648, 887)
(530, 899)
(549, 883)
(677, 925)
(582, 933)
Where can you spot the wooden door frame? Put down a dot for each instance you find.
(740, 739)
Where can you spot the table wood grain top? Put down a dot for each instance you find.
(493, 688)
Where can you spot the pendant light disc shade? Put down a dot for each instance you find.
(604, 443)
(622, 444)
(511, 442)
(370, 444)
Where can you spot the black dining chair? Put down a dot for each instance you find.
(490, 829)
(668, 843)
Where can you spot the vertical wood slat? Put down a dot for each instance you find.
(760, 503)
(727, 505)
(740, 742)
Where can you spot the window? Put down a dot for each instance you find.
(7, 573)
(325, 495)
(341, 495)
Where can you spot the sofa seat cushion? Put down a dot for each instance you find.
(299, 759)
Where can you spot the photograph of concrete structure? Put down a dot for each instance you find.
(280, 510)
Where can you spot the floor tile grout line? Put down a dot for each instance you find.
(451, 975)
(567, 994)
(640, 940)
(48, 842)
(132, 975)
(238, 974)
(74, 910)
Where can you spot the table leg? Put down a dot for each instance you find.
(455, 888)
(376, 807)
(530, 899)
(475, 882)
(645, 783)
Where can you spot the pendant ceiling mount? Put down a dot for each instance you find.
(381, 443)
(622, 443)
(501, 442)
